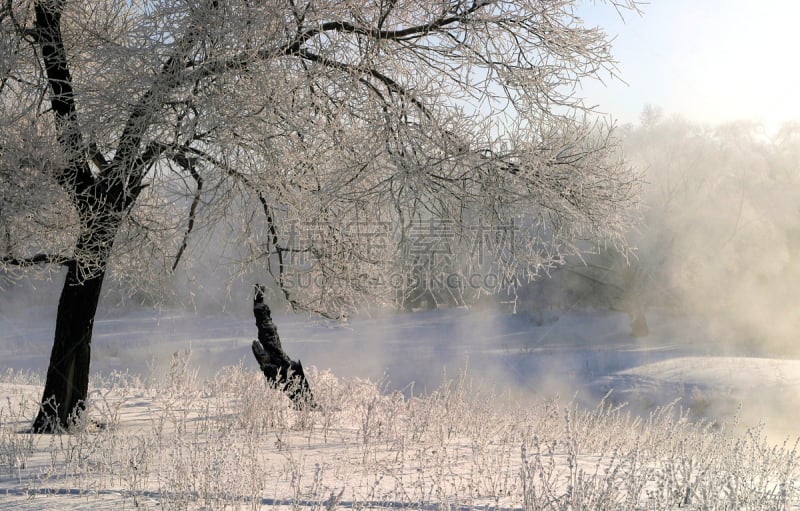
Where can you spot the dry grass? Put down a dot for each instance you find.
(233, 443)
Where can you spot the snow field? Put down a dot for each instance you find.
(175, 441)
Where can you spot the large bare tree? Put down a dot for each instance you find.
(349, 140)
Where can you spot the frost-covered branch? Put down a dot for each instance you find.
(188, 164)
(35, 260)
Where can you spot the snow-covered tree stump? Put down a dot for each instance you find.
(283, 372)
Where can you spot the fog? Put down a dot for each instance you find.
(721, 230)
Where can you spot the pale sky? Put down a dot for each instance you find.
(707, 60)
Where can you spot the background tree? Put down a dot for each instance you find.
(328, 134)
(719, 238)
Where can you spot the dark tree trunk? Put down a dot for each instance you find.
(67, 382)
(101, 200)
(285, 373)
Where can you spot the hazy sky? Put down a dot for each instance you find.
(708, 60)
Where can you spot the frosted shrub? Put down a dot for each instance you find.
(244, 400)
(611, 460)
(15, 447)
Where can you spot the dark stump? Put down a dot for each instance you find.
(281, 371)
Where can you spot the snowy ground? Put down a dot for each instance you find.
(373, 447)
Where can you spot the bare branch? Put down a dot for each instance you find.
(37, 259)
(279, 250)
(390, 84)
(77, 175)
(188, 164)
(422, 30)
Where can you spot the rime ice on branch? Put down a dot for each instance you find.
(279, 369)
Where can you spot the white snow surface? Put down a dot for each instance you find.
(378, 376)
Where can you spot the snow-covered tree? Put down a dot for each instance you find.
(335, 132)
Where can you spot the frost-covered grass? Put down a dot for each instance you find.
(230, 442)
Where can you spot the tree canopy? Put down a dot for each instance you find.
(348, 125)
(342, 141)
